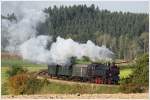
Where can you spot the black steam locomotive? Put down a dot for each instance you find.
(94, 73)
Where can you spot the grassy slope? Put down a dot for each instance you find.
(79, 88)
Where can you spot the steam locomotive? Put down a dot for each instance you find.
(94, 73)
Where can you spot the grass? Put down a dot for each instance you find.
(124, 73)
(78, 88)
(4, 75)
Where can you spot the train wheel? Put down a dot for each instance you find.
(50, 76)
(96, 80)
(109, 81)
(99, 80)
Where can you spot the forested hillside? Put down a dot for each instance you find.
(126, 34)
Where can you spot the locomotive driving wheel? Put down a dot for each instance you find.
(99, 80)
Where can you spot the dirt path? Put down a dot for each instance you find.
(82, 96)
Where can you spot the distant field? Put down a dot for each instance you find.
(24, 63)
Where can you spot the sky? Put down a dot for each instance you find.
(124, 6)
(131, 6)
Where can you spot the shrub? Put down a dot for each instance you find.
(17, 83)
(15, 69)
(133, 88)
(141, 73)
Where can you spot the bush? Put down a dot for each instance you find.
(139, 80)
(15, 69)
(17, 84)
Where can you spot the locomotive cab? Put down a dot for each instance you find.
(97, 72)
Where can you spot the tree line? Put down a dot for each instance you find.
(126, 34)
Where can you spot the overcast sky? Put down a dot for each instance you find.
(125, 6)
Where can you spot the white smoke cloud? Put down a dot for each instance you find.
(62, 50)
(24, 28)
(35, 50)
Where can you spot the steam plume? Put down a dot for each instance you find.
(62, 50)
(25, 27)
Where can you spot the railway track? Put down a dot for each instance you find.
(44, 75)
